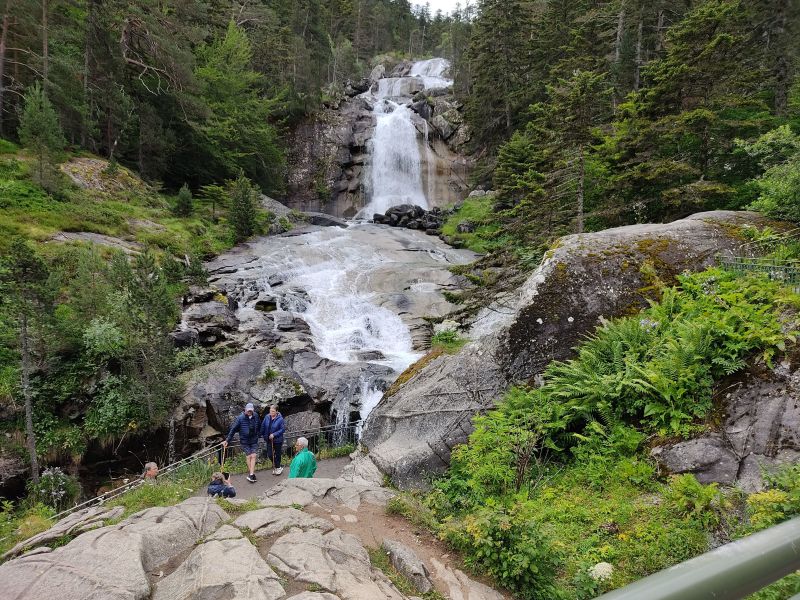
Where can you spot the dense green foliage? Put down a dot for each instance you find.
(556, 479)
(196, 91)
(608, 113)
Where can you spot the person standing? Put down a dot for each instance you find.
(303, 464)
(272, 429)
(248, 426)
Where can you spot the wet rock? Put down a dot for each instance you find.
(411, 433)
(266, 305)
(324, 220)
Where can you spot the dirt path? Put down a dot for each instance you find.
(330, 467)
(371, 524)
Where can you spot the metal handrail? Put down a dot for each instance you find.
(124, 489)
(729, 572)
(329, 433)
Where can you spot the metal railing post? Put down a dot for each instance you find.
(729, 572)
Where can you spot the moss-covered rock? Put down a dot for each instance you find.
(585, 279)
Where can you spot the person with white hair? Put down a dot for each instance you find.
(303, 464)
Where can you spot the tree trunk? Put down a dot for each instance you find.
(45, 49)
(781, 70)
(3, 37)
(660, 33)
(86, 55)
(620, 30)
(581, 178)
(637, 69)
(171, 444)
(618, 54)
(26, 393)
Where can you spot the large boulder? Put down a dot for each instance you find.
(217, 392)
(760, 430)
(228, 569)
(584, 279)
(334, 561)
(112, 563)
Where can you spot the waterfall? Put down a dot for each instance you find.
(327, 282)
(351, 286)
(395, 175)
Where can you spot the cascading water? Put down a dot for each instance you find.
(395, 169)
(351, 285)
(396, 174)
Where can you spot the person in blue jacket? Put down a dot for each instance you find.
(272, 431)
(220, 486)
(248, 425)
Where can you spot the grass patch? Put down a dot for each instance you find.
(380, 560)
(411, 507)
(168, 490)
(238, 509)
(479, 212)
(335, 452)
(409, 373)
(448, 341)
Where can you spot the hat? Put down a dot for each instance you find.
(249, 406)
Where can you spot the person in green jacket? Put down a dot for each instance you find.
(303, 464)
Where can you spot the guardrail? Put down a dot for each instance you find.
(729, 572)
(319, 438)
(785, 271)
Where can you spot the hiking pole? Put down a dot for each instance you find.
(272, 441)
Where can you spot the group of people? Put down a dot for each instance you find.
(251, 428)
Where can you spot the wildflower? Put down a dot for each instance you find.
(602, 571)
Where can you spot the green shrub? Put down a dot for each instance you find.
(508, 545)
(448, 340)
(55, 489)
(692, 499)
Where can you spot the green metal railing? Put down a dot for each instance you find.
(785, 271)
(732, 571)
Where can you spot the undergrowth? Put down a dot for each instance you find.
(555, 494)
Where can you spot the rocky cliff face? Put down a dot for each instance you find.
(585, 278)
(329, 154)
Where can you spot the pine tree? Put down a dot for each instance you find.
(29, 300)
(184, 205)
(39, 129)
(242, 214)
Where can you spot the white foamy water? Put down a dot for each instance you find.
(395, 168)
(433, 73)
(395, 173)
(327, 281)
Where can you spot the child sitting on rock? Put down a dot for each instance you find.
(221, 486)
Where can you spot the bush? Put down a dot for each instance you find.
(692, 499)
(55, 489)
(507, 544)
(448, 340)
